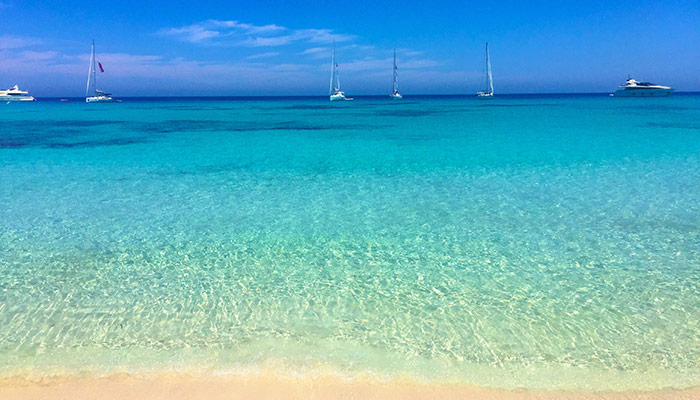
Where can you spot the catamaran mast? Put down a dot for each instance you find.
(337, 75)
(92, 73)
(396, 75)
(489, 77)
(330, 89)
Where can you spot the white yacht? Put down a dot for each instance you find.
(92, 95)
(335, 93)
(395, 95)
(488, 92)
(14, 94)
(633, 88)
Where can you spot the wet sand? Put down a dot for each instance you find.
(267, 386)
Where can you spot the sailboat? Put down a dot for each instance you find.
(395, 95)
(335, 92)
(92, 95)
(488, 92)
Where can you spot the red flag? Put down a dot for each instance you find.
(101, 69)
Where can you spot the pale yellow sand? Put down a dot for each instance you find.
(263, 386)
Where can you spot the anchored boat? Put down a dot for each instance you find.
(14, 94)
(335, 93)
(395, 95)
(488, 92)
(633, 88)
(92, 95)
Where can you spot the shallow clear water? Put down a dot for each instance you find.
(541, 242)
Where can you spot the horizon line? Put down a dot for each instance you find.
(356, 95)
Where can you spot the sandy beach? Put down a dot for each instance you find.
(264, 386)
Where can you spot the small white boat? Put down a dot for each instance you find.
(335, 93)
(337, 96)
(633, 88)
(488, 92)
(92, 95)
(14, 94)
(395, 95)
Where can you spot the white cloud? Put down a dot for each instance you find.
(16, 42)
(192, 33)
(49, 70)
(249, 28)
(268, 41)
(408, 53)
(243, 34)
(316, 52)
(39, 55)
(211, 29)
(294, 67)
(370, 63)
(149, 74)
(263, 55)
(321, 36)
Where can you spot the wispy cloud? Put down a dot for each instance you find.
(409, 52)
(370, 64)
(211, 29)
(148, 74)
(8, 42)
(263, 55)
(315, 52)
(38, 55)
(214, 31)
(304, 72)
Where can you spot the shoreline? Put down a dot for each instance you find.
(181, 386)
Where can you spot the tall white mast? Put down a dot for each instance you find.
(335, 72)
(330, 89)
(489, 77)
(396, 75)
(92, 75)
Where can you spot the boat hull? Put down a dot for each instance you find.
(396, 96)
(17, 98)
(99, 99)
(337, 97)
(643, 92)
(484, 96)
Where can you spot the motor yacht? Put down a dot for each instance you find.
(14, 94)
(633, 88)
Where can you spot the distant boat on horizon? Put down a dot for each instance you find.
(488, 92)
(14, 94)
(395, 95)
(92, 94)
(633, 88)
(335, 93)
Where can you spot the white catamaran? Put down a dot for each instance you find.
(488, 92)
(335, 92)
(92, 95)
(395, 95)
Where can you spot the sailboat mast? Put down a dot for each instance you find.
(396, 80)
(488, 69)
(337, 75)
(330, 89)
(91, 70)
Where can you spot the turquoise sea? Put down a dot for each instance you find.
(548, 242)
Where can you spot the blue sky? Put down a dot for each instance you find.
(261, 47)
